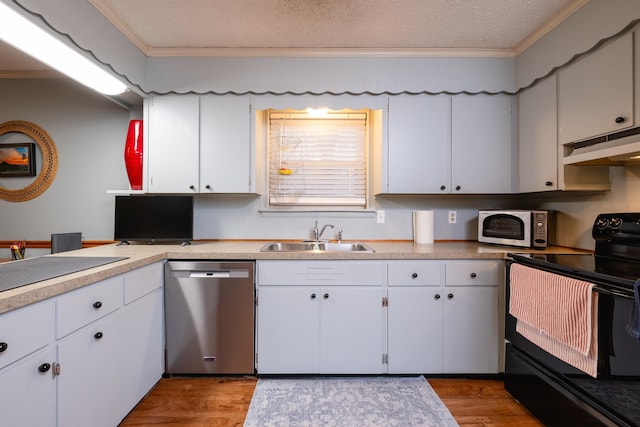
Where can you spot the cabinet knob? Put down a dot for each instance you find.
(208, 187)
(192, 187)
(97, 304)
(620, 119)
(414, 275)
(44, 368)
(313, 296)
(450, 296)
(442, 188)
(325, 296)
(548, 183)
(436, 296)
(3, 346)
(473, 275)
(458, 188)
(98, 335)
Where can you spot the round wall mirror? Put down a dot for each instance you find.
(26, 166)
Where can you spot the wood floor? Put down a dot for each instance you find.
(224, 401)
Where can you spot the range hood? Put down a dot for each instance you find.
(618, 148)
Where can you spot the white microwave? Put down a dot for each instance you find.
(523, 228)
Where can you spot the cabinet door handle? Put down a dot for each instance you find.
(44, 368)
(192, 187)
(208, 187)
(3, 346)
(473, 275)
(620, 119)
(450, 296)
(436, 296)
(313, 296)
(98, 335)
(97, 304)
(325, 296)
(414, 275)
(458, 188)
(442, 188)
(548, 183)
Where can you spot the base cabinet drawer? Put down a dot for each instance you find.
(24, 331)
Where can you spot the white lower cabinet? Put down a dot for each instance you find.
(365, 317)
(336, 328)
(471, 330)
(28, 391)
(88, 384)
(84, 358)
(446, 322)
(142, 349)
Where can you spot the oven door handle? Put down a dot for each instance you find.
(612, 293)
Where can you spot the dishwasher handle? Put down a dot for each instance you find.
(219, 274)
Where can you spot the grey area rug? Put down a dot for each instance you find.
(347, 401)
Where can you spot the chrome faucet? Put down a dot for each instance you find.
(317, 234)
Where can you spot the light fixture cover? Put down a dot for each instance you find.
(26, 36)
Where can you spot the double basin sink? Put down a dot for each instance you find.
(313, 246)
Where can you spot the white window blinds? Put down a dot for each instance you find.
(317, 161)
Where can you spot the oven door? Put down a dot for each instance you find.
(550, 388)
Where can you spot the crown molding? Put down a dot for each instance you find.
(328, 52)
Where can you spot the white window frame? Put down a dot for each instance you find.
(303, 204)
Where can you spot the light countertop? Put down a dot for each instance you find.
(139, 255)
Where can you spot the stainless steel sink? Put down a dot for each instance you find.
(315, 247)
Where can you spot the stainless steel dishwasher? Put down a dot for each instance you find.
(209, 317)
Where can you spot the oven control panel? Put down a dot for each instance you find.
(617, 225)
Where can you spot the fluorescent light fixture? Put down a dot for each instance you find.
(24, 35)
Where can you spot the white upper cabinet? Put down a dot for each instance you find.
(419, 144)
(595, 95)
(225, 135)
(442, 144)
(537, 136)
(199, 144)
(481, 144)
(172, 144)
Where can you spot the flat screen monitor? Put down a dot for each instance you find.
(154, 218)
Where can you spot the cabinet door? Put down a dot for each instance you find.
(415, 330)
(288, 333)
(595, 95)
(471, 330)
(173, 144)
(28, 391)
(351, 330)
(142, 364)
(419, 144)
(537, 137)
(225, 138)
(481, 144)
(88, 384)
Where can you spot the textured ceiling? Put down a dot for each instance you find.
(157, 25)
(254, 27)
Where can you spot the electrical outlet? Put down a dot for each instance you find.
(452, 217)
(380, 217)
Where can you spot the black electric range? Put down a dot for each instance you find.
(557, 393)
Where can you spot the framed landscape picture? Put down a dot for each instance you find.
(17, 159)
